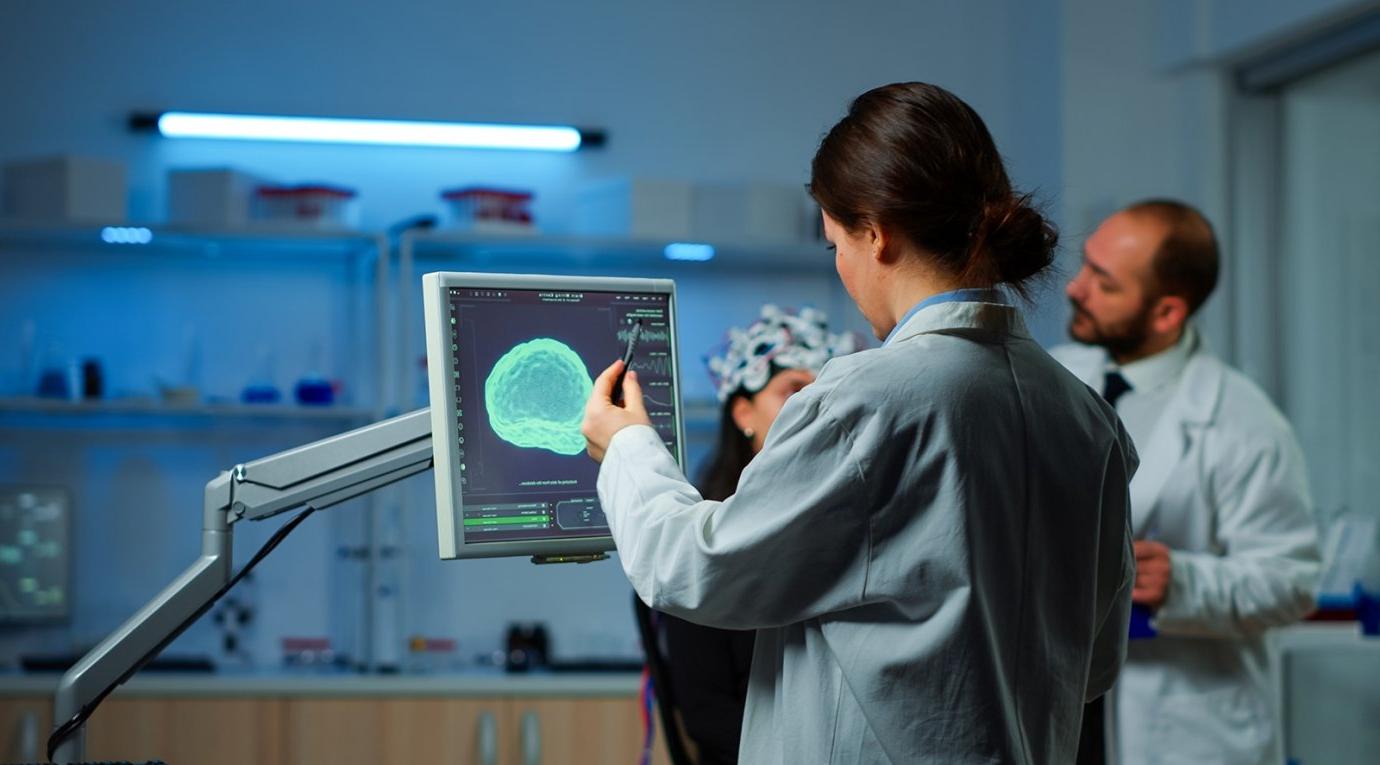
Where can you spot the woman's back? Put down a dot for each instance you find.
(934, 592)
(994, 558)
(933, 541)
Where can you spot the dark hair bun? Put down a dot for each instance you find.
(1020, 241)
(916, 158)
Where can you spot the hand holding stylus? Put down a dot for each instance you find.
(603, 418)
(633, 334)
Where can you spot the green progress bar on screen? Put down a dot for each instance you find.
(508, 520)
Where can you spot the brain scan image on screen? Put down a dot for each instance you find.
(520, 364)
(535, 396)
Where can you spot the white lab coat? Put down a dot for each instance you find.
(933, 546)
(1222, 483)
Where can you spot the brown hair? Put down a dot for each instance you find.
(916, 158)
(1186, 262)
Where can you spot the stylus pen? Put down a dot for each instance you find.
(627, 360)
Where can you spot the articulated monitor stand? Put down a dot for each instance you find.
(317, 475)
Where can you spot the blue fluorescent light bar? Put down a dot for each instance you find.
(463, 135)
(126, 235)
(689, 251)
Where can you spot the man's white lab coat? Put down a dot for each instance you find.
(933, 546)
(1222, 483)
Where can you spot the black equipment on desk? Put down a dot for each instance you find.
(529, 647)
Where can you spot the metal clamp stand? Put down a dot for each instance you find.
(317, 475)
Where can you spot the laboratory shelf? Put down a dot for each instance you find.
(258, 241)
(152, 408)
(517, 252)
(35, 251)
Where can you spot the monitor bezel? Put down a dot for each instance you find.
(445, 434)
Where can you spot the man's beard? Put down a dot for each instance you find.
(1120, 339)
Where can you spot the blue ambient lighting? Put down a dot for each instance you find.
(391, 132)
(689, 251)
(126, 235)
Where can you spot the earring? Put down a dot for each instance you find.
(749, 432)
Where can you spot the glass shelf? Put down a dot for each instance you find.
(485, 252)
(261, 240)
(36, 251)
(153, 408)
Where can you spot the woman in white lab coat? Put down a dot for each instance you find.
(758, 370)
(932, 544)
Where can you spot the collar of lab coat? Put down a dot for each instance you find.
(1200, 378)
(1193, 407)
(1161, 369)
(1200, 391)
(962, 315)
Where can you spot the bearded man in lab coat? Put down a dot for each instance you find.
(1226, 545)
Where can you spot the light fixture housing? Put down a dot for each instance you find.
(455, 135)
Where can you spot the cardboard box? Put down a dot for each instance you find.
(214, 197)
(66, 188)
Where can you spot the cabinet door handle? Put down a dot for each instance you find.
(486, 740)
(531, 739)
(28, 737)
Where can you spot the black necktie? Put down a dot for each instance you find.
(1114, 386)
(1092, 744)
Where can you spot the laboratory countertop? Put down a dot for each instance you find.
(463, 684)
(490, 683)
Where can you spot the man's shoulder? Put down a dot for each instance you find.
(1085, 361)
(1244, 410)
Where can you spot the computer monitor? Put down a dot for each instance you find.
(511, 361)
(35, 558)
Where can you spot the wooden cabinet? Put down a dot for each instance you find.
(208, 731)
(373, 730)
(498, 731)
(347, 731)
(578, 731)
(24, 726)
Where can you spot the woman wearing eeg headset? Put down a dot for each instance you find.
(759, 368)
(932, 544)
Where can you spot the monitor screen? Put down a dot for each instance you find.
(35, 564)
(516, 359)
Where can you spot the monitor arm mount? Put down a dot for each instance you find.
(315, 476)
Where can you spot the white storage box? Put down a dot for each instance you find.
(216, 197)
(753, 212)
(66, 188)
(636, 208)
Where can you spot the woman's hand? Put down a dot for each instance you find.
(603, 419)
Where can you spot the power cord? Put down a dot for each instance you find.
(65, 731)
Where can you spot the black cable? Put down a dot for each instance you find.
(65, 731)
